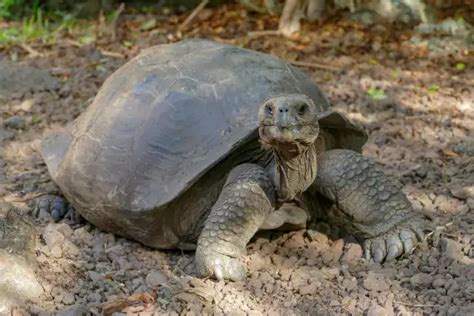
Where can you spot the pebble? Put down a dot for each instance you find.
(15, 122)
(156, 278)
(459, 192)
(95, 297)
(377, 310)
(75, 310)
(421, 280)
(64, 229)
(309, 289)
(94, 276)
(353, 254)
(56, 252)
(51, 236)
(68, 299)
(375, 283)
(333, 254)
(82, 235)
(439, 282)
(452, 249)
(6, 134)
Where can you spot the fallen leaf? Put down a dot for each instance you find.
(460, 66)
(148, 25)
(449, 153)
(433, 89)
(376, 93)
(136, 303)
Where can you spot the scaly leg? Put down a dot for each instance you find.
(369, 204)
(246, 199)
(57, 207)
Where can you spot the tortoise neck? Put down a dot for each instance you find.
(295, 173)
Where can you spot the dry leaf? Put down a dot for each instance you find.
(449, 153)
(135, 303)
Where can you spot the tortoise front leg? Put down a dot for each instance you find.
(247, 197)
(368, 203)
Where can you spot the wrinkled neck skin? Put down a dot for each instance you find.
(294, 170)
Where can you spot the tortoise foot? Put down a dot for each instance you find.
(55, 207)
(399, 241)
(222, 267)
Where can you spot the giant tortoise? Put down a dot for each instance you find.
(198, 145)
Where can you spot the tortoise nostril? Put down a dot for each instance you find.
(281, 110)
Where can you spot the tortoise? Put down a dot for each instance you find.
(197, 145)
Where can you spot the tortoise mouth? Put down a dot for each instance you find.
(278, 136)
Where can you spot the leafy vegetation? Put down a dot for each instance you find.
(37, 26)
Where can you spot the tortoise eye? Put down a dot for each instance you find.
(302, 109)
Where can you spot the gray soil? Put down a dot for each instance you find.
(421, 133)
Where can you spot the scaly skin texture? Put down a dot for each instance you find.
(366, 201)
(246, 200)
(56, 206)
(369, 204)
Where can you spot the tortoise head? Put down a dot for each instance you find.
(288, 123)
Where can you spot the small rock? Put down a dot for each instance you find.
(353, 254)
(349, 284)
(469, 291)
(421, 280)
(6, 134)
(333, 254)
(156, 278)
(70, 249)
(68, 299)
(17, 277)
(452, 249)
(375, 282)
(94, 276)
(452, 311)
(15, 122)
(94, 297)
(64, 229)
(56, 252)
(76, 310)
(470, 203)
(439, 282)
(51, 236)
(377, 310)
(309, 289)
(316, 236)
(459, 192)
(81, 234)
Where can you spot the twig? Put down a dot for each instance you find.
(73, 42)
(264, 33)
(111, 54)
(193, 15)
(35, 196)
(115, 22)
(30, 50)
(314, 65)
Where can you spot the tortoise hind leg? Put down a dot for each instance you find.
(369, 204)
(246, 199)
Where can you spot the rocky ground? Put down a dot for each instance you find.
(413, 93)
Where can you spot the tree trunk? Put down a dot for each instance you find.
(290, 18)
(315, 10)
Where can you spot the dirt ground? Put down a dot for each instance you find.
(409, 94)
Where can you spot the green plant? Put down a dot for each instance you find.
(37, 26)
(14, 9)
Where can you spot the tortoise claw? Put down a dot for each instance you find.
(220, 266)
(393, 244)
(51, 206)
